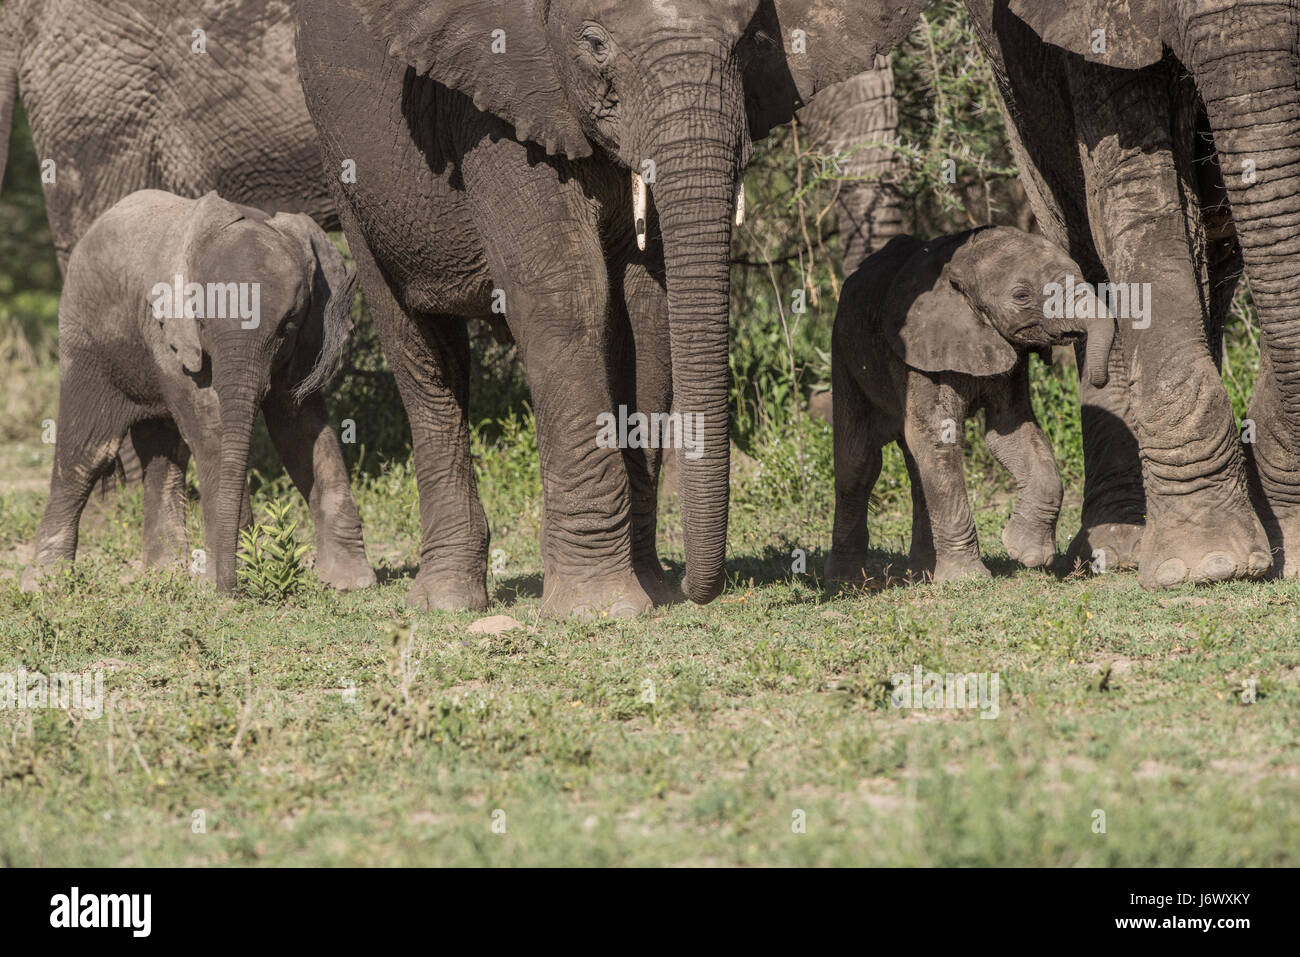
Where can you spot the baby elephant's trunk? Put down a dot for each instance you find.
(1101, 336)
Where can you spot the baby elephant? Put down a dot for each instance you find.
(180, 319)
(928, 333)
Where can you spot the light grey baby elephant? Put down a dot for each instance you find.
(927, 334)
(180, 319)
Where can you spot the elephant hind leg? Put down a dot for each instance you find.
(163, 456)
(313, 458)
(430, 358)
(858, 437)
(92, 419)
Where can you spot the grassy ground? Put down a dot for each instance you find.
(340, 729)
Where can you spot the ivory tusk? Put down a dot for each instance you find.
(740, 203)
(638, 209)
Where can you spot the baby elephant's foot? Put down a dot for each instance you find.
(568, 595)
(1031, 545)
(958, 568)
(439, 592)
(345, 572)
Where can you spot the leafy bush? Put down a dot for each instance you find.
(272, 566)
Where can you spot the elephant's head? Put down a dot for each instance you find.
(976, 301)
(261, 298)
(675, 91)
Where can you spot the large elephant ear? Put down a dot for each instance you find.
(181, 334)
(495, 53)
(803, 46)
(1119, 33)
(931, 325)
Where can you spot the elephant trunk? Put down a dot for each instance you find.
(1100, 332)
(239, 404)
(1101, 336)
(1246, 74)
(699, 161)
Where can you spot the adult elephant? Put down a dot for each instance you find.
(857, 121)
(1125, 119)
(492, 151)
(187, 96)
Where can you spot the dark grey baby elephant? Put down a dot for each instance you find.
(179, 320)
(927, 334)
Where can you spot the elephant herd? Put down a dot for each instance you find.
(575, 166)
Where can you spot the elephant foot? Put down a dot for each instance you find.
(1032, 545)
(1183, 545)
(650, 575)
(432, 592)
(849, 568)
(1273, 474)
(1106, 546)
(959, 568)
(32, 576)
(1282, 526)
(346, 572)
(569, 596)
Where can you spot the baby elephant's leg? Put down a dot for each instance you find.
(857, 466)
(932, 429)
(1015, 439)
(313, 458)
(92, 419)
(163, 456)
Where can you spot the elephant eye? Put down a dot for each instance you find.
(597, 45)
(1023, 296)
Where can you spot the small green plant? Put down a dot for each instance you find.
(272, 560)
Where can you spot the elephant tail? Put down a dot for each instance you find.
(10, 32)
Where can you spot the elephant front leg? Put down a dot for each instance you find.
(641, 366)
(1200, 524)
(932, 429)
(587, 529)
(1015, 439)
(163, 457)
(313, 458)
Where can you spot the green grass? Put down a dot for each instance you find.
(771, 701)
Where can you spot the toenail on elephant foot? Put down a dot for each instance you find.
(433, 593)
(565, 597)
(1106, 547)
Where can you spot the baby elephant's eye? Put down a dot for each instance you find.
(1023, 296)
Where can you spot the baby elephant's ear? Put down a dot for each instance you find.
(931, 326)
